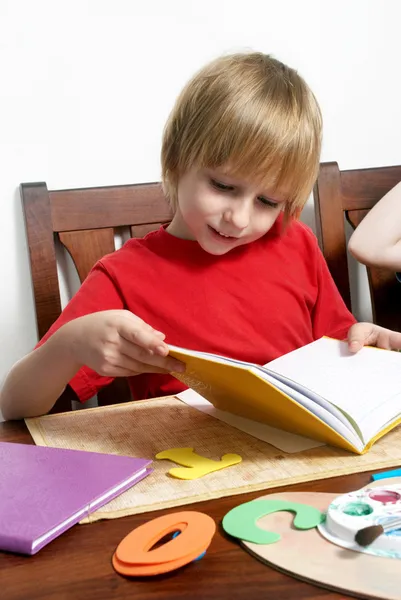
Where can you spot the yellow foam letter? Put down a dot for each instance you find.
(198, 465)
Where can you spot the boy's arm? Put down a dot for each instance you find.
(112, 343)
(35, 383)
(377, 239)
(38, 380)
(94, 332)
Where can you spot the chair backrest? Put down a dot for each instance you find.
(84, 221)
(349, 195)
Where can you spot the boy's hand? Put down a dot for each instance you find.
(116, 343)
(368, 334)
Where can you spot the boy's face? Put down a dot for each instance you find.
(221, 212)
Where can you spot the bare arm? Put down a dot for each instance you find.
(36, 382)
(377, 240)
(114, 343)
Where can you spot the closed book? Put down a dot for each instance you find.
(45, 491)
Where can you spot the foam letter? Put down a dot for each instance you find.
(240, 522)
(198, 465)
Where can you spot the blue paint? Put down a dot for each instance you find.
(200, 555)
(386, 474)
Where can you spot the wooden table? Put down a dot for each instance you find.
(77, 565)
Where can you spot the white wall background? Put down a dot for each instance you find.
(86, 86)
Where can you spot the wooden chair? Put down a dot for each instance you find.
(349, 195)
(84, 221)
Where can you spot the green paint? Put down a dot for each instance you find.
(357, 509)
(241, 521)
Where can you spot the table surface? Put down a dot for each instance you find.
(77, 565)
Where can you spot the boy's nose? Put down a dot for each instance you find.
(238, 216)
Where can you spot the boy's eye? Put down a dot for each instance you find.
(221, 186)
(224, 187)
(267, 202)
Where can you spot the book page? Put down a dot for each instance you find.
(297, 392)
(341, 425)
(365, 385)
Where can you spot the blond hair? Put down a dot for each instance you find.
(252, 113)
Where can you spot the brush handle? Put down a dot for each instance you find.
(394, 524)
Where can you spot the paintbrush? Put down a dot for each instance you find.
(367, 535)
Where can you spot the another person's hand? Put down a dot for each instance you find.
(368, 334)
(116, 343)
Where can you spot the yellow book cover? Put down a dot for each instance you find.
(321, 391)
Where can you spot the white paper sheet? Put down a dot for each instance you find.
(287, 442)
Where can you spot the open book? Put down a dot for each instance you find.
(321, 390)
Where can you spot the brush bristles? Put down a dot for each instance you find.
(367, 535)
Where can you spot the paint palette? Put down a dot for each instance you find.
(308, 556)
(351, 512)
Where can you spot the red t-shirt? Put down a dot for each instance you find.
(255, 303)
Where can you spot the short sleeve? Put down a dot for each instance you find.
(330, 316)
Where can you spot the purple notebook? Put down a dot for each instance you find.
(45, 491)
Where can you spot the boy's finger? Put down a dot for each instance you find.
(138, 322)
(134, 367)
(354, 345)
(145, 356)
(129, 368)
(142, 336)
(395, 340)
(360, 335)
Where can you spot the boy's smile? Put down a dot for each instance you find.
(221, 212)
(220, 234)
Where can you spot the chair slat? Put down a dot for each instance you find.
(108, 207)
(86, 247)
(42, 254)
(361, 189)
(330, 219)
(341, 195)
(139, 231)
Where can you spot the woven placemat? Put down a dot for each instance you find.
(144, 428)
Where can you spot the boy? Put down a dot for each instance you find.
(234, 273)
(377, 239)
